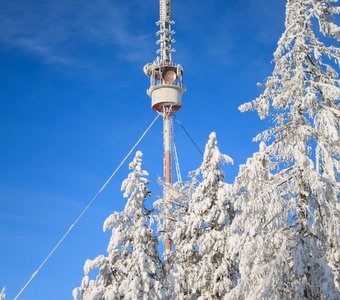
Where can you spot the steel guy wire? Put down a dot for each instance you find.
(189, 136)
(85, 210)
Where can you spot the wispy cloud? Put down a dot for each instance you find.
(58, 30)
(36, 47)
(72, 31)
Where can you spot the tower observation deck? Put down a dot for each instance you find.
(166, 90)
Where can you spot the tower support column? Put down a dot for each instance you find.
(167, 135)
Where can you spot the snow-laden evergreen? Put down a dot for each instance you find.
(132, 269)
(302, 96)
(202, 268)
(258, 236)
(268, 253)
(170, 214)
(3, 294)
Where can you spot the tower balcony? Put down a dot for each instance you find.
(166, 85)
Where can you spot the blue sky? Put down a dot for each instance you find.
(73, 101)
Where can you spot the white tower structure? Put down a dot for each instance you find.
(166, 90)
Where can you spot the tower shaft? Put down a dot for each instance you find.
(165, 10)
(167, 147)
(167, 137)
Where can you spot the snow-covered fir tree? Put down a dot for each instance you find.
(3, 294)
(201, 266)
(258, 234)
(302, 96)
(132, 269)
(265, 249)
(170, 214)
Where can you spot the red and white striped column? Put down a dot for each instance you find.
(167, 178)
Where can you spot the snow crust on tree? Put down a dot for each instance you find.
(3, 294)
(257, 235)
(201, 266)
(302, 98)
(132, 269)
(169, 214)
(270, 256)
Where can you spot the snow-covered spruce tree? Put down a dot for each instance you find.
(302, 96)
(169, 214)
(201, 266)
(132, 269)
(259, 236)
(3, 294)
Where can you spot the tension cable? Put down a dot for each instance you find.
(85, 210)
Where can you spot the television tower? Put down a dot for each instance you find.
(166, 90)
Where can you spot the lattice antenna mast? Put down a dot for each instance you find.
(166, 90)
(165, 33)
